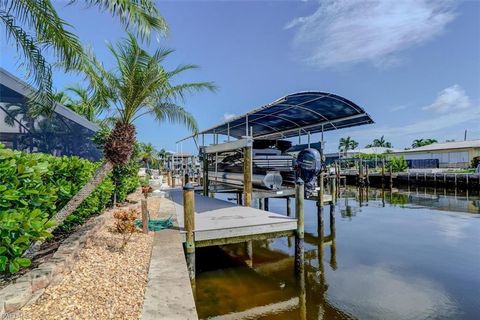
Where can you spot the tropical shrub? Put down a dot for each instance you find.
(475, 162)
(125, 224)
(32, 188)
(398, 164)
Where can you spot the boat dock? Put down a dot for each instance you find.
(219, 222)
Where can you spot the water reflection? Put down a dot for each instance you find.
(377, 254)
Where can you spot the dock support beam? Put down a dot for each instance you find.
(247, 176)
(299, 235)
(189, 221)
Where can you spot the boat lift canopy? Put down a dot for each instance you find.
(293, 115)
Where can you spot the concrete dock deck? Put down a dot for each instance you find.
(220, 222)
(168, 294)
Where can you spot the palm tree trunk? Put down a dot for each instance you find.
(86, 190)
(76, 201)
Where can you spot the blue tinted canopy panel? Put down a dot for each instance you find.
(295, 114)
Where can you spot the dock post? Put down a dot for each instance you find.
(249, 253)
(383, 172)
(333, 246)
(299, 235)
(205, 174)
(169, 178)
(289, 207)
(333, 189)
(360, 173)
(247, 176)
(265, 204)
(189, 224)
(367, 173)
(391, 177)
(173, 180)
(144, 216)
(321, 190)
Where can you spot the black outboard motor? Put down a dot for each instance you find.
(308, 166)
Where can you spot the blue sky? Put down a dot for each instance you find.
(413, 65)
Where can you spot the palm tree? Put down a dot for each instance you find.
(346, 144)
(85, 103)
(423, 142)
(35, 27)
(138, 86)
(379, 143)
(162, 157)
(148, 154)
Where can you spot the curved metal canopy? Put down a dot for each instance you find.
(295, 114)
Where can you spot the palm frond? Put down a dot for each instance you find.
(140, 15)
(174, 114)
(38, 68)
(50, 30)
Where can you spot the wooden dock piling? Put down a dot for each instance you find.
(321, 191)
(169, 178)
(249, 253)
(189, 221)
(205, 175)
(383, 172)
(333, 246)
(300, 234)
(247, 176)
(391, 177)
(289, 207)
(367, 175)
(360, 173)
(144, 216)
(333, 188)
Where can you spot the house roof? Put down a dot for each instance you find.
(295, 114)
(12, 83)
(445, 146)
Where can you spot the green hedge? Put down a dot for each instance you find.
(32, 188)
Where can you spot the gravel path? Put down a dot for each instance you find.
(105, 282)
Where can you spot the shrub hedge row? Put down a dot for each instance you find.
(33, 187)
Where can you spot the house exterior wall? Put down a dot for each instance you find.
(448, 158)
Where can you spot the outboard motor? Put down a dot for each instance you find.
(308, 167)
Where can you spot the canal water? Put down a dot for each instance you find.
(406, 254)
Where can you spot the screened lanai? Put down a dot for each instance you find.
(62, 133)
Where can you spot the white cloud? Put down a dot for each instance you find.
(449, 99)
(228, 116)
(398, 108)
(347, 31)
(453, 99)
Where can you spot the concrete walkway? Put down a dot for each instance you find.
(168, 294)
